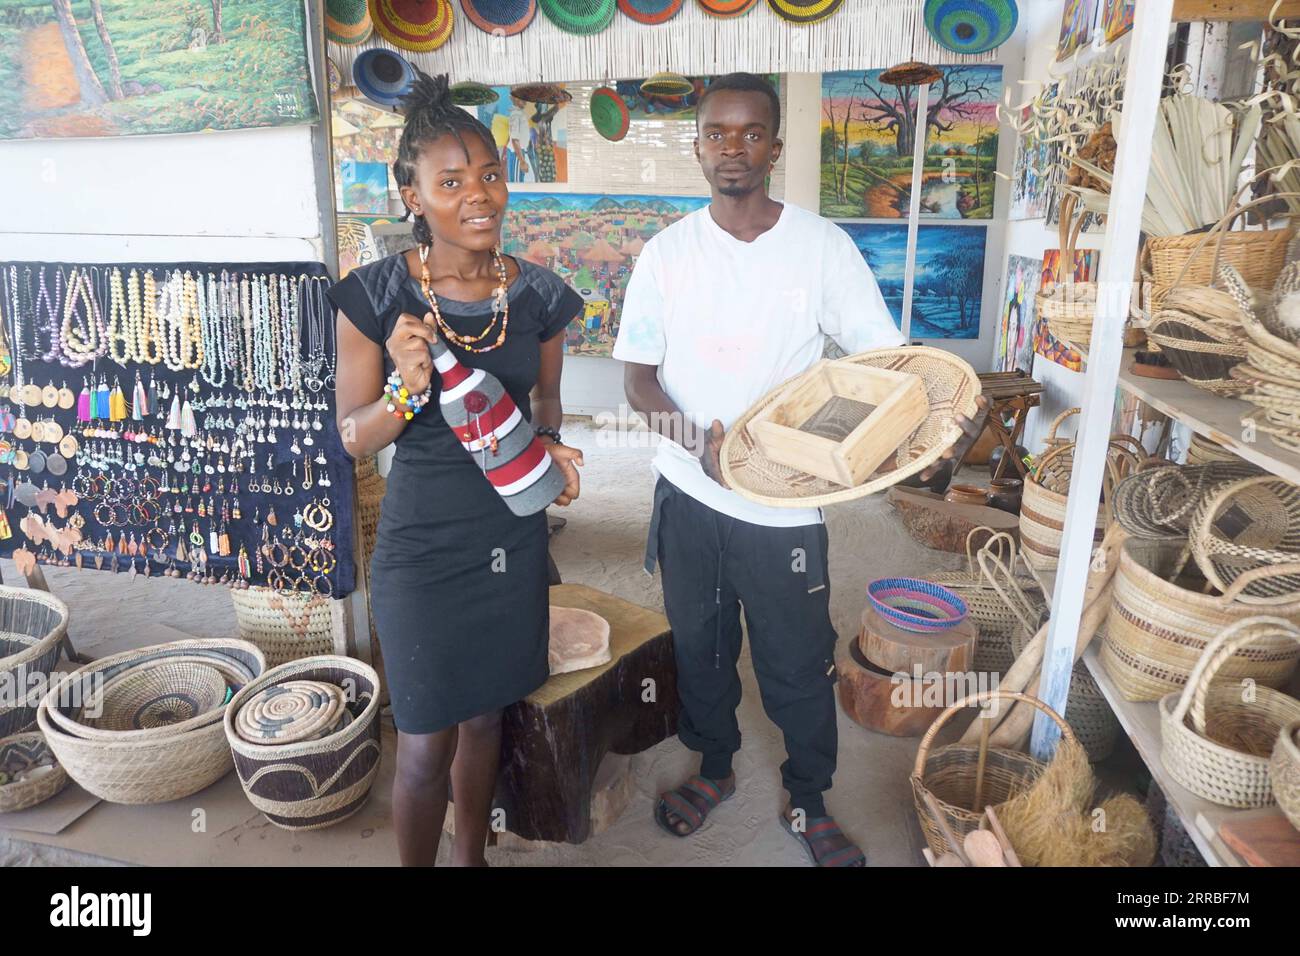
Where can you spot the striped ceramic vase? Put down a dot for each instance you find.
(492, 429)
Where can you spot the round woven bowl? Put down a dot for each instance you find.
(1284, 772)
(915, 605)
(32, 627)
(289, 712)
(160, 695)
(20, 753)
(311, 784)
(145, 766)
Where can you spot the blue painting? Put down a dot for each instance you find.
(365, 186)
(533, 137)
(948, 286)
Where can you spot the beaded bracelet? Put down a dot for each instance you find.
(397, 395)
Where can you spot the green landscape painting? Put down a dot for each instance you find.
(128, 67)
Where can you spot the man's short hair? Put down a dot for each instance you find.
(744, 83)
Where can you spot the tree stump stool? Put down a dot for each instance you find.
(554, 739)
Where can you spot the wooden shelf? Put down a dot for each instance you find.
(1141, 721)
(1214, 417)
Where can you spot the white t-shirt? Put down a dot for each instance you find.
(727, 321)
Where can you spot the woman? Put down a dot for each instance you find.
(458, 583)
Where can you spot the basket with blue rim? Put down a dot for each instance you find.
(916, 605)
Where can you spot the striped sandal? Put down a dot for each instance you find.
(691, 803)
(814, 840)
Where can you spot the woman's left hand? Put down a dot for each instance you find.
(568, 460)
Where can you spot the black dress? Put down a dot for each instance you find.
(458, 583)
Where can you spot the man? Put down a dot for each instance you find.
(520, 162)
(722, 306)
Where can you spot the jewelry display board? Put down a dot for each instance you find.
(174, 419)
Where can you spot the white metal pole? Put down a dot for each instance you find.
(914, 205)
(1142, 87)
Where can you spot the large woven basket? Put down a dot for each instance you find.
(310, 784)
(1068, 307)
(159, 765)
(1247, 535)
(1204, 353)
(1217, 739)
(1160, 502)
(1157, 629)
(19, 753)
(1284, 772)
(951, 773)
(32, 627)
(286, 625)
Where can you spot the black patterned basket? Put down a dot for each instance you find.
(32, 627)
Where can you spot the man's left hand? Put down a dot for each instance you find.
(971, 429)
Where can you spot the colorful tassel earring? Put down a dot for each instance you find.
(117, 403)
(83, 403)
(139, 400)
(174, 416)
(101, 399)
(189, 427)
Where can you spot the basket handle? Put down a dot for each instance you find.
(1014, 597)
(1001, 538)
(1220, 229)
(981, 698)
(1198, 537)
(1247, 578)
(1059, 420)
(1216, 654)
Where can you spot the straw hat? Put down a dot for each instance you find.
(609, 114)
(383, 76)
(951, 385)
(650, 11)
(347, 22)
(970, 26)
(415, 25)
(500, 17)
(727, 8)
(583, 17)
(804, 11)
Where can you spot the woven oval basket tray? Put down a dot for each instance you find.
(951, 386)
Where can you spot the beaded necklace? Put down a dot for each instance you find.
(18, 327)
(315, 361)
(500, 306)
(119, 322)
(191, 331)
(151, 336)
(214, 358)
(246, 323)
(52, 314)
(81, 345)
(273, 381)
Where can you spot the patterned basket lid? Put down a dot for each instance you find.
(667, 84)
(727, 8)
(609, 114)
(503, 17)
(347, 22)
(582, 17)
(470, 93)
(650, 11)
(416, 25)
(383, 76)
(804, 11)
(970, 26)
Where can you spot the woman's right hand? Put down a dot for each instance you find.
(408, 347)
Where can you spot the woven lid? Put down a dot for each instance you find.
(383, 76)
(541, 93)
(609, 114)
(804, 11)
(650, 11)
(415, 25)
(667, 84)
(951, 386)
(583, 17)
(970, 26)
(500, 17)
(727, 8)
(292, 711)
(347, 22)
(470, 93)
(911, 73)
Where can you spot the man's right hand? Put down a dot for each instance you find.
(711, 454)
(408, 347)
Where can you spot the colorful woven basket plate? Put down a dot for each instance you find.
(804, 11)
(416, 25)
(347, 22)
(970, 26)
(951, 386)
(609, 114)
(727, 8)
(650, 11)
(541, 93)
(500, 17)
(667, 84)
(581, 17)
(383, 76)
(470, 93)
(915, 605)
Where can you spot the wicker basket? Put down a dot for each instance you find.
(1223, 753)
(1157, 629)
(1248, 534)
(286, 625)
(951, 773)
(1204, 353)
(1284, 772)
(32, 627)
(1202, 451)
(18, 753)
(163, 764)
(311, 784)
(1160, 502)
(1086, 710)
(1067, 308)
(164, 694)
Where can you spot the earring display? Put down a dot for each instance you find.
(145, 400)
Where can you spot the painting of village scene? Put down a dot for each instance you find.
(592, 241)
(123, 67)
(948, 283)
(533, 137)
(868, 140)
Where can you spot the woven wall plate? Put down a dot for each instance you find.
(347, 22)
(416, 25)
(541, 93)
(609, 114)
(383, 76)
(970, 26)
(951, 386)
(469, 93)
(804, 11)
(500, 17)
(667, 84)
(580, 17)
(727, 8)
(650, 11)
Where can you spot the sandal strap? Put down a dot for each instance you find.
(683, 807)
(705, 789)
(845, 856)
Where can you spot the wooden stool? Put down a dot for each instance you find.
(554, 739)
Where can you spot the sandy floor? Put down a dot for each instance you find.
(601, 547)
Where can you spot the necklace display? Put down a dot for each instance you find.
(159, 469)
(500, 306)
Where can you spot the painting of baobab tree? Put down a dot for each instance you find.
(869, 136)
(126, 67)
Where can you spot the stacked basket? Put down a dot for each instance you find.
(1271, 372)
(144, 726)
(32, 627)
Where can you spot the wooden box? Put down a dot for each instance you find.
(840, 421)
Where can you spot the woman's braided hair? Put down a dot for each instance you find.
(430, 115)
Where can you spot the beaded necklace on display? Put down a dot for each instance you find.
(18, 328)
(151, 336)
(120, 328)
(500, 306)
(79, 345)
(214, 345)
(315, 361)
(191, 337)
(52, 314)
(273, 381)
(246, 325)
